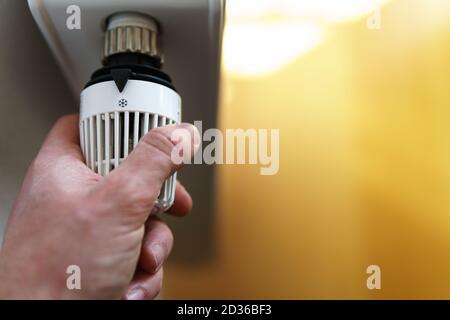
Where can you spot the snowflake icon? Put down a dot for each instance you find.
(123, 103)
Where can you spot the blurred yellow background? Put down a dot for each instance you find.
(364, 119)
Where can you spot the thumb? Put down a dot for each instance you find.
(137, 181)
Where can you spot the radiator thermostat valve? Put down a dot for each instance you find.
(127, 97)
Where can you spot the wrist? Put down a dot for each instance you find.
(16, 284)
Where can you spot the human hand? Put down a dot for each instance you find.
(66, 214)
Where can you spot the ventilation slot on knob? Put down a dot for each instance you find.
(108, 138)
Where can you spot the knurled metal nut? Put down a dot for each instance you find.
(124, 39)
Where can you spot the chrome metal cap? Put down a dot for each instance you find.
(132, 32)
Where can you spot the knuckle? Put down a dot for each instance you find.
(83, 213)
(140, 202)
(134, 195)
(165, 235)
(151, 263)
(168, 236)
(136, 201)
(140, 196)
(159, 140)
(159, 235)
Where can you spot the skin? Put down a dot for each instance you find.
(65, 214)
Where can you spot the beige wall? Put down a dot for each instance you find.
(364, 174)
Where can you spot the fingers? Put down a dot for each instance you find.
(145, 286)
(156, 246)
(183, 202)
(63, 138)
(137, 182)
